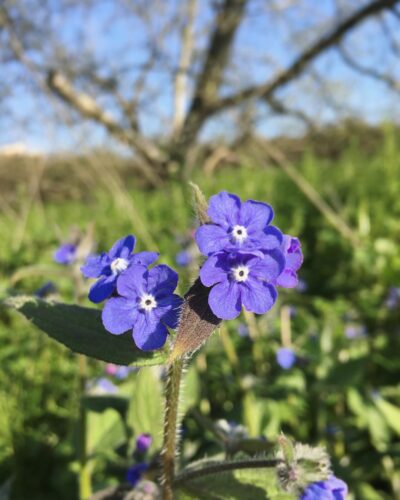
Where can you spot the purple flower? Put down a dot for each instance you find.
(241, 279)
(147, 305)
(119, 372)
(291, 249)
(393, 298)
(237, 226)
(143, 442)
(354, 331)
(108, 266)
(330, 489)
(102, 386)
(183, 258)
(65, 254)
(45, 290)
(243, 330)
(285, 357)
(135, 473)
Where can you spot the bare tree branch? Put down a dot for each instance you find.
(368, 71)
(308, 55)
(209, 80)
(181, 79)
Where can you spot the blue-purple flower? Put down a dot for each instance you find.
(183, 258)
(241, 279)
(285, 357)
(393, 298)
(135, 473)
(119, 372)
(108, 266)
(355, 331)
(291, 249)
(45, 290)
(143, 442)
(243, 330)
(65, 254)
(237, 225)
(147, 305)
(330, 489)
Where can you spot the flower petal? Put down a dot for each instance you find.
(102, 289)
(271, 238)
(149, 334)
(144, 258)
(119, 315)
(162, 280)
(123, 247)
(255, 215)
(168, 310)
(288, 279)
(132, 282)
(268, 268)
(211, 238)
(223, 208)
(213, 270)
(94, 265)
(224, 300)
(258, 296)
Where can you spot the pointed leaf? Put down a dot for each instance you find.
(81, 330)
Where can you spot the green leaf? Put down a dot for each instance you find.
(106, 432)
(100, 403)
(81, 330)
(391, 414)
(209, 482)
(146, 408)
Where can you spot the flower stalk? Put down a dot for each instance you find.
(171, 422)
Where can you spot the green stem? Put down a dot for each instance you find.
(85, 486)
(170, 426)
(225, 467)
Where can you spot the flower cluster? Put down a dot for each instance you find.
(139, 299)
(247, 257)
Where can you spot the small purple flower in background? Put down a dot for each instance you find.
(286, 358)
(237, 225)
(241, 279)
(243, 330)
(101, 386)
(330, 489)
(302, 286)
(355, 331)
(143, 442)
(108, 266)
(65, 254)
(183, 258)
(45, 290)
(393, 298)
(146, 304)
(291, 249)
(119, 372)
(135, 473)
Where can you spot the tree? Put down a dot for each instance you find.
(181, 63)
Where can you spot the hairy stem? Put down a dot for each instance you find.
(170, 425)
(225, 467)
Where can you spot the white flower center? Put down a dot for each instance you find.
(240, 273)
(147, 302)
(119, 265)
(239, 233)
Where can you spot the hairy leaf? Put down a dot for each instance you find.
(81, 329)
(235, 480)
(197, 322)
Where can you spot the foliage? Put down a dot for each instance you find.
(342, 392)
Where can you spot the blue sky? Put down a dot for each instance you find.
(114, 38)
